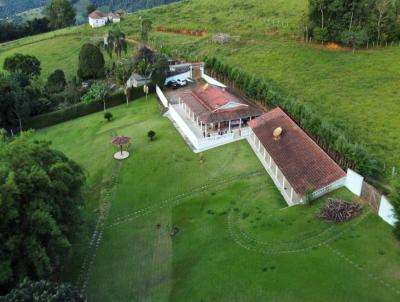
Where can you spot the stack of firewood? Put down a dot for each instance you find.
(337, 210)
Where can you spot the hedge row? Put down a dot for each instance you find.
(335, 141)
(81, 109)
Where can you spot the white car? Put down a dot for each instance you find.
(181, 83)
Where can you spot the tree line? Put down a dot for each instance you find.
(356, 23)
(336, 142)
(58, 14)
(11, 30)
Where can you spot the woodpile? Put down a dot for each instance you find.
(337, 210)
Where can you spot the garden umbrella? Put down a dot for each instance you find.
(120, 141)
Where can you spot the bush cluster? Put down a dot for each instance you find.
(336, 142)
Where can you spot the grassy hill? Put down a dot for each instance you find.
(356, 91)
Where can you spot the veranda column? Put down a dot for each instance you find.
(291, 194)
(270, 161)
(276, 171)
(240, 127)
(229, 125)
(264, 154)
(283, 183)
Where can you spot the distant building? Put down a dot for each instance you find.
(114, 17)
(136, 80)
(97, 19)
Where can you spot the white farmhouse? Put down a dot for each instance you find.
(97, 19)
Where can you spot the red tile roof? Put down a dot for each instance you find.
(206, 103)
(304, 164)
(97, 15)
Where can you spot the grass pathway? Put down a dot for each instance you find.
(283, 247)
(105, 206)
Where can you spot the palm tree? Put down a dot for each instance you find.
(115, 42)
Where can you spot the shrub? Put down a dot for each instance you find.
(151, 135)
(108, 116)
(43, 291)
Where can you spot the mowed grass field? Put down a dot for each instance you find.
(180, 226)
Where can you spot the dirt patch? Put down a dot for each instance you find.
(183, 31)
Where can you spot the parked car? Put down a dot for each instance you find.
(176, 84)
(173, 84)
(181, 83)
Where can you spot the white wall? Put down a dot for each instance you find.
(386, 211)
(211, 80)
(97, 22)
(161, 96)
(181, 76)
(354, 182)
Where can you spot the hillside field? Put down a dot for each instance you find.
(178, 228)
(356, 91)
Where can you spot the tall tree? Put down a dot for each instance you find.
(91, 62)
(15, 104)
(56, 82)
(90, 8)
(145, 28)
(123, 71)
(114, 42)
(40, 190)
(61, 13)
(26, 66)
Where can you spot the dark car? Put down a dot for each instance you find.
(173, 84)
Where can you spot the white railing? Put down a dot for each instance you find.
(183, 126)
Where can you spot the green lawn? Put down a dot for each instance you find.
(236, 241)
(57, 50)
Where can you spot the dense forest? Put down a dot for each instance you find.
(356, 23)
(130, 5)
(11, 7)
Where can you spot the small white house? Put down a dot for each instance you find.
(97, 19)
(114, 18)
(136, 80)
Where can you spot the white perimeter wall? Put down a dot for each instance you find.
(211, 80)
(386, 211)
(162, 97)
(181, 76)
(354, 182)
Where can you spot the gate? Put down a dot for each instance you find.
(371, 196)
